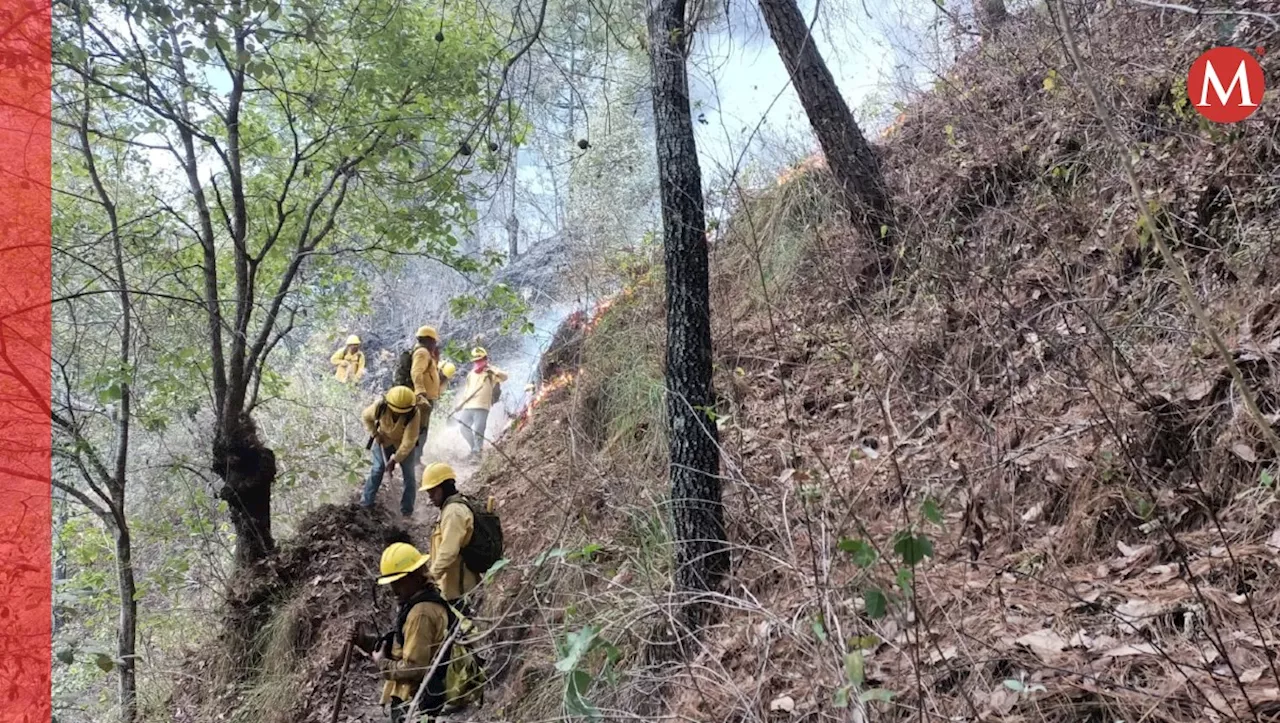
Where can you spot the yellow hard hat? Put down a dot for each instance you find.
(398, 560)
(478, 353)
(427, 331)
(400, 399)
(448, 368)
(353, 339)
(435, 474)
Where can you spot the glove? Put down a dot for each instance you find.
(382, 649)
(363, 639)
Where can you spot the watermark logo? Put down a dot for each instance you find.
(1225, 84)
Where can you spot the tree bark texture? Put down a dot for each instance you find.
(696, 509)
(851, 159)
(248, 469)
(991, 15)
(513, 238)
(127, 635)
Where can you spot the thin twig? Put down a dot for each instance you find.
(1269, 18)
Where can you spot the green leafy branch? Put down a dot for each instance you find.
(574, 653)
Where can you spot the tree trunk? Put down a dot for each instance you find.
(248, 470)
(852, 161)
(696, 510)
(991, 15)
(126, 637)
(62, 507)
(513, 237)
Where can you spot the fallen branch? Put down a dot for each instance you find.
(342, 682)
(1270, 19)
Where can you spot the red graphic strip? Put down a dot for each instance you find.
(25, 287)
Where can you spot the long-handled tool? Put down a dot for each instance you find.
(342, 679)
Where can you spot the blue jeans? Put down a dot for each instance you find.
(472, 425)
(407, 471)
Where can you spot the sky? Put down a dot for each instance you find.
(747, 114)
(745, 89)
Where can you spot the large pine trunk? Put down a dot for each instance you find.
(248, 470)
(697, 513)
(852, 161)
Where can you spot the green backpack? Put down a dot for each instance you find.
(465, 678)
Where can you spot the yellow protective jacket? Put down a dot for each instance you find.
(425, 373)
(389, 432)
(478, 393)
(452, 533)
(424, 630)
(349, 366)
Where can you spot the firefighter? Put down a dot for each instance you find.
(393, 424)
(452, 533)
(348, 361)
(477, 399)
(405, 655)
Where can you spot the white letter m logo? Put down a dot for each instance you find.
(1241, 78)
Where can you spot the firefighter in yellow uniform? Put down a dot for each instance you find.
(428, 376)
(393, 424)
(477, 400)
(348, 361)
(406, 654)
(425, 371)
(451, 533)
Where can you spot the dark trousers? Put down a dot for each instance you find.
(400, 709)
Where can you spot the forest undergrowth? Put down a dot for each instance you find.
(1010, 481)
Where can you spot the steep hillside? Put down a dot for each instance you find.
(1013, 483)
(1027, 412)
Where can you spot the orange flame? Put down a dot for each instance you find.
(564, 379)
(549, 387)
(577, 319)
(894, 125)
(813, 162)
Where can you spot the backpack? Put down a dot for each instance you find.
(460, 678)
(464, 678)
(403, 376)
(485, 547)
(497, 392)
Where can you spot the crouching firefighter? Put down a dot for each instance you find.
(393, 423)
(425, 661)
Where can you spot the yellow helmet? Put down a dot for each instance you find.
(447, 369)
(353, 339)
(427, 331)
(398, 560)
(401, 399)
(478, 353)
(435, 474)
